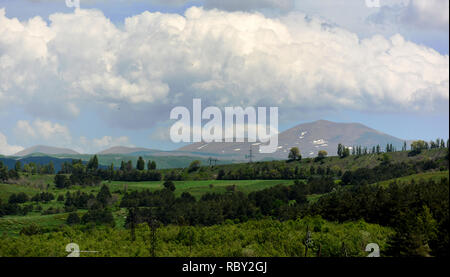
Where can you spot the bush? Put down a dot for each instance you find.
(18, 198)
(30, 230)
(73, 219)
(169, 185)
(194, 166)
(99, 216)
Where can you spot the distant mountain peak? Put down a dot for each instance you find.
(322, 121)
(43, 149)
(308, 137)
(123, 150)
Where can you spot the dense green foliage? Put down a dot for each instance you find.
(344, 189)
(262, 238)
(397, 206)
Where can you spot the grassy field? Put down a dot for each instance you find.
(11, 225)
(435, 176)
(7, 189)
(196, 188)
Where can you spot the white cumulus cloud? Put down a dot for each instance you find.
(6, 149)
(95, 145)
(55, 134)
(134, 74)
(425, 14)
(43, 130)
(108, 141)
(432, 13)
(249, 5)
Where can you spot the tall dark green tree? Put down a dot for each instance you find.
(140, 165)
(18, 166)
(339, 150)
(149, 165)
(3, 172)
(129, 166)
(346, 152)
(51, 168)
(73, 219)
(93, 164)
(61, 181)
(294, 154)
(322, 154)
(104, 196)
(194, 166)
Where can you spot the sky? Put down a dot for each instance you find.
(109, 72)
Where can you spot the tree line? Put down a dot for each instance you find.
(77, 173)
(409, 208)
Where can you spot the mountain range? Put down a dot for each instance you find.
(48, 150)
(308, 137)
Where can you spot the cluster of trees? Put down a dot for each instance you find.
(90, 174)
(140, 165)
(385, 171)
(214, 208)
(78, 200)
(98, 207)
(274, 201)
(359, 150)
(295, 155)
(416, 148)
(343, 151)
(13, 206)
(33, 168)
(6, 174)
(419, 145)
(277, 170)
(133, 175)
(43, 197)
(80, 174)
(418, 211)
(18, 198)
